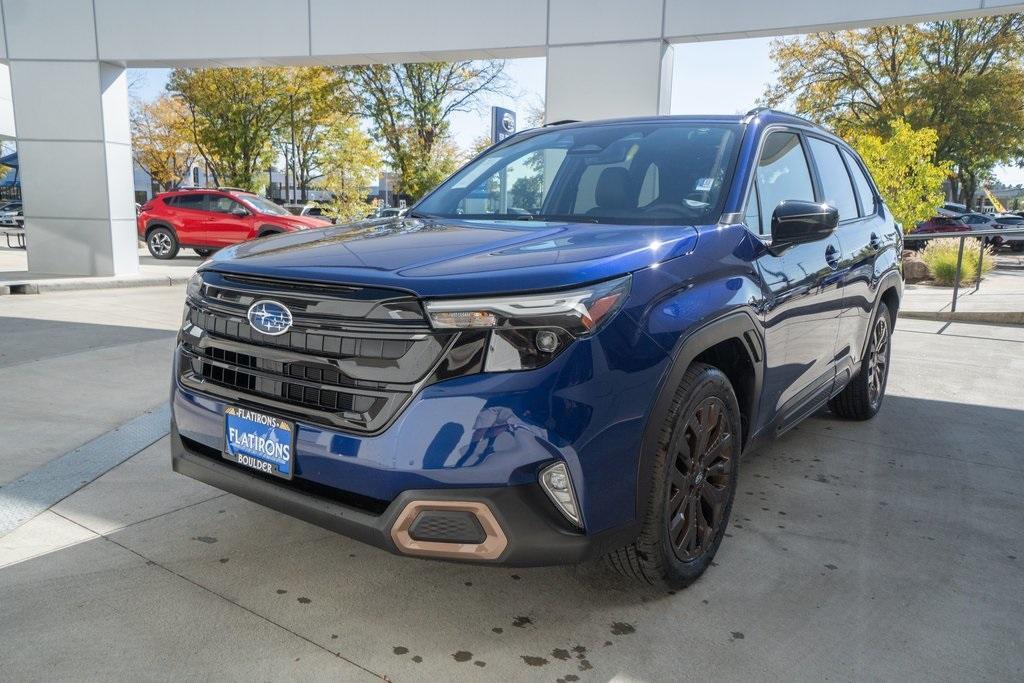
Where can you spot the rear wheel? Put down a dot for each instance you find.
(695, 474)
(862, 397)
(162, 243)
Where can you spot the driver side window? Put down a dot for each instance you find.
(782, 174)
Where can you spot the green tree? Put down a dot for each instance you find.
(233, 114)
(902, 167)
(351, 163)
(410, 105)
(962, 78)
(313, 99)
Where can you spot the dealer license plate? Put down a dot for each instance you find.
(260, 442)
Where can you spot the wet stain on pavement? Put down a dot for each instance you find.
(281, 591)
(831, 566)
(462, 656)
(570, 678)
(223, 560)
(399, 650)
(736, 635)
(559, 653)
(304, 601)
(520, 622)
(479, 663)
(417, 659)
(204, 539)
(534, 661)
(621, 628)
(498, 629)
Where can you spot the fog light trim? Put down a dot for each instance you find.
(557, 484)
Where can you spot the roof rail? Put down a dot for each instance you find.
(756, 111)
(233, 189)
(559, 123)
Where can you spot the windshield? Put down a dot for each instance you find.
(263, 205)
(653, 173)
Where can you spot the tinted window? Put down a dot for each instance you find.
(835, 181)
(222, 204)
(192, 200)
(782, 173)
(639, 173)
(863, 185)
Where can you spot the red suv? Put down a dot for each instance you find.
(207, 220)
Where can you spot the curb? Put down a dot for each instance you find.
(14, 287)
(986, 317)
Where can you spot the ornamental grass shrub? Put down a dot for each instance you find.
(940, 257)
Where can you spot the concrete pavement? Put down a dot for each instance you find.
(883, 550)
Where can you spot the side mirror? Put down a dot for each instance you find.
(239, 211)
(796, 222)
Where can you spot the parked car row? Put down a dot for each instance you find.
(948, 222)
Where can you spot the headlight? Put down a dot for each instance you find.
(194, 287)
(530, 330)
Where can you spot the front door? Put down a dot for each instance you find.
(228, 222)
(803, 297)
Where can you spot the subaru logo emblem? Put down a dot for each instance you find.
(270, 318)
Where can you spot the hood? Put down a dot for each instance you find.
(458, 258)
(304, 221)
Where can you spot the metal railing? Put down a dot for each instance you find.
(980, 235)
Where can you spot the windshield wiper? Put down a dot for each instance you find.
(555, 218)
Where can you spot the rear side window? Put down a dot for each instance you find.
(863, 185)
(782, 175)
(195, 201)
(835, 181)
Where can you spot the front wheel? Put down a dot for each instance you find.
(695, 474)
(204, 253)
(162, 243)
(862, 397)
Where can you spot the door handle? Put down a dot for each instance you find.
(875, 243)
(832, 256)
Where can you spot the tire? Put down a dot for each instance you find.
(695, 470)
(268, 233)
(862, 397)
(162, 243)
(203, 253)
(1017, 247)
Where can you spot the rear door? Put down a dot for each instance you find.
(863, 236)
(189, 209)
(228, 222)
(804, 295)
(870, 249)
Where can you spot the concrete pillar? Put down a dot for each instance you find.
(74, 143)
(608, 80)
(607, 58)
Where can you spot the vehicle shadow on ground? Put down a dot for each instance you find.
(827, 524)
(32, 339)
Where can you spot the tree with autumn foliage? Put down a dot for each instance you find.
(962, 78)
(316, 99)
(901, 165)
(162, 141)
(233, 113)
(351, 163)
(410, 105)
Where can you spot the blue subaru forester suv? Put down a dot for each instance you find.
(559, 354)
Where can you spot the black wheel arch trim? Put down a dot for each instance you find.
(268, 229)
(891, 280)
(739, 325)
(154, 224)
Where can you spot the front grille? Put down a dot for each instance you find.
(352, 360)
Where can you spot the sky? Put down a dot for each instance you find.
(721, 77)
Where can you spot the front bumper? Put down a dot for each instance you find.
(531, 531)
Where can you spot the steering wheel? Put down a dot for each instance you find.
(671, 209)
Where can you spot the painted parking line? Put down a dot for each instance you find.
(37, 491)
